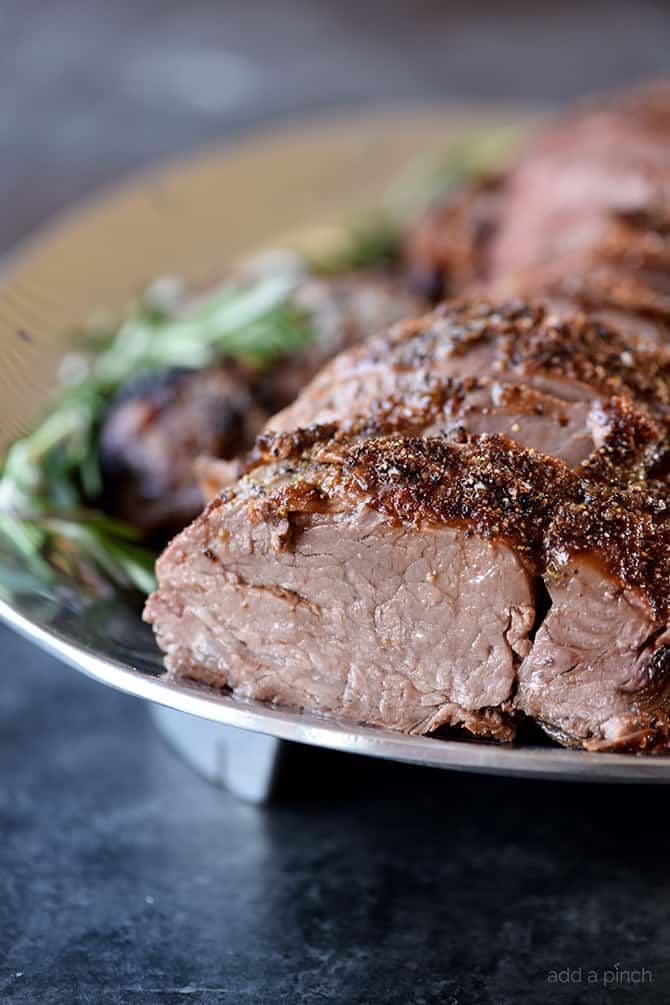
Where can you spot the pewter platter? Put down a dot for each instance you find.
(192, 218)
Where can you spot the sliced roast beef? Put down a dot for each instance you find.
(570, 430)
(466, 520)
(519, 369)
(608, 159)
(160, 423)
(623, 280)
(598, 673)
(396, 581)
(292, 588)
(581, 218)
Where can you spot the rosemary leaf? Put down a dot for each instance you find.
(27, 540)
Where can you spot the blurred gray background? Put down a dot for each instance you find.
(90, 88)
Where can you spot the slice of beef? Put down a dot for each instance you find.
(159, 424)
(598, 674)
(291, 588)
(570, 430)
(604, 160)
(513, 367)
(396, 581)
(624, 279)
(582, 217)
(599, 670)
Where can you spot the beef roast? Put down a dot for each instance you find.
(464, 522)
(608, 159)
(402, 582)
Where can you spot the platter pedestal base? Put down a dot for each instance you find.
(245, 763)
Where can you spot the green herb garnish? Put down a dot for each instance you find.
(50, 480)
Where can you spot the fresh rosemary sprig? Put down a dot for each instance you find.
(50, 481)
(257, 323)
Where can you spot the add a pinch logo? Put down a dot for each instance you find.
(609, 977)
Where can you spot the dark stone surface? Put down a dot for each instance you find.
(126, 879)
(123, 877)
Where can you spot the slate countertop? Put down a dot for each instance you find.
(125, 878)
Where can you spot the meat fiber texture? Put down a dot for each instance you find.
(388, 564)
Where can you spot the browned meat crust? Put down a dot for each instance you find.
(496, 487)
(445, 249)
(489, 487)
(512, 342)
